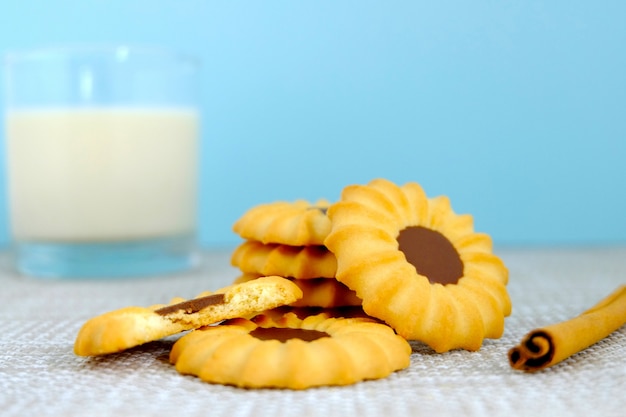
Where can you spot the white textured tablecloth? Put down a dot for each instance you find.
(40, 375)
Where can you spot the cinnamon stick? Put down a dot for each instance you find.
(547, 346)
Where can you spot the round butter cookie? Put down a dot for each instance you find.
(298, 223)
(318, 292)
(291, 353)
(127, 327)
(418, 266)
(301, 262)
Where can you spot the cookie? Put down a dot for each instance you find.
(121, 329)
(291, 353)
(301, 262)
(419, 266)
(298, 223)
(318, 292)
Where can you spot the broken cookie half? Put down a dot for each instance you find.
(128, 327)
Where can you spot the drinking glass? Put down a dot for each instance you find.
(102, 161)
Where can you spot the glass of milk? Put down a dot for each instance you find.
(102, 157)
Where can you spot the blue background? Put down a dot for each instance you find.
(514, 109)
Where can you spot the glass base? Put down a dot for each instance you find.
(106, 260)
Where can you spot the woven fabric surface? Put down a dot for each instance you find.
(40, 375)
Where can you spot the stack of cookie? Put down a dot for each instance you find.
(287, 239)
(404, 258)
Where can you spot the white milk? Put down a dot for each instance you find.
(102, 174)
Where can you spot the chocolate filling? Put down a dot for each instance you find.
(282, 334)
(432, 254)
(193, 305)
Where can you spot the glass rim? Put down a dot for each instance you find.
(119, 52)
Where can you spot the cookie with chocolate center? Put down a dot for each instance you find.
(418, 266)
(297, 223)
(301, 262)
(127, 327)
(291, 352)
